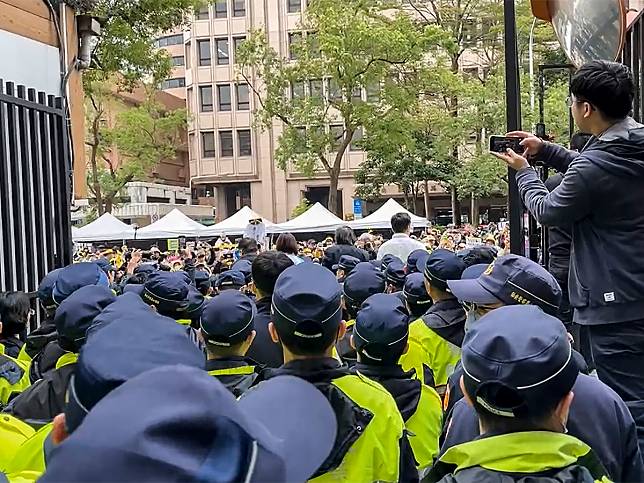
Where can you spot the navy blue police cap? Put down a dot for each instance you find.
(168, 292)
(376, 263)
(230, 279)
(202, 280)
(177, 423)
(105, 265)
(306, 304)
(77, 313)
(512, 280)
(416, 295)
(75, 276)
(387, 259)
(518, 362)
(228, 319)
(474, 272)
(347, 263)
(395, 273)
(381, 329)
(125, 342)
(415, 259)
(147, 267)
(441, 266)
(46, 288)
(365, 281)
(246, 267)
(196, 303)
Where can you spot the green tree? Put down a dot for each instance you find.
(301, 207)
(140, 138)
(348, 52)
(125, 57)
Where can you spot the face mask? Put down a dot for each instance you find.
(472, 317)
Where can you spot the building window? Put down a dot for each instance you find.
(337, 134)
(294, 6)
(243, 97)
(297, 90)
(223, 56)
(335, 93)
(226, 143)
(178, 61)
(316, 91)
(313, 43)
(243, 139)
(373, 92)
(189, 99)
(356, 140)
(203, 13)
(205, 99)
(205, 58)
(239, 8)
(300, 140)
(223, 98)
(237, 41)
(221, 9)
(173, 83)
(188, 55)
(208, 144)
(294, 38)
(175, 39)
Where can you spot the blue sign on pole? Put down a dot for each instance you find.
(357, 209)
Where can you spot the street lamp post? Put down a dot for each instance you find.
(513, 116)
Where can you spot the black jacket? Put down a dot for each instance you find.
(601, 196)
(333, 253)
(41, 402)
(12, 346)
(447, 318)
(39, 338)
(45, 361)
(263, 349)
(351, 417)
(598, 417)
(240, 373)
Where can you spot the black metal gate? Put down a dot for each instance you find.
(35, 176)
(633, 56)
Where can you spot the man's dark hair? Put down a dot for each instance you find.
(345, 236)
(247, 246)
(286, 243)
(607, 86)
(267, 267)
(479, 255)
(400, 222)
(14, 310)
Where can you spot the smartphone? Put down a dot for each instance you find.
(499, 144)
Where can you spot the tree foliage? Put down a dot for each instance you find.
(351, 48)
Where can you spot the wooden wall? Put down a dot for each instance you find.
(32, 19)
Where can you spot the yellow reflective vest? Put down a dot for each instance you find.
(13, 433)
(14, 376)
(29, 459)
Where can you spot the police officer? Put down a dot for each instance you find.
(197, 431)
(126, 339)
(380, 338)
(203, 284)
(518, 374)
(597, 415)
(416, 297)
(230, 280)
(365, 281)
(345, 266)
(435, 338)
(45, 399)
(13, 433)
(416, 259)
(75, 276)
(387, 259)
(371, 444)
(395, 276)
(15, 313)
(227, 329)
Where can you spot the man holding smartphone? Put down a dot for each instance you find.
(601, 197)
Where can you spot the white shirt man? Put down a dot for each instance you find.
(400, 245)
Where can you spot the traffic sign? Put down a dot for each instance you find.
(357, 208)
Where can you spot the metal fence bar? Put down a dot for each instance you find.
(35, 171)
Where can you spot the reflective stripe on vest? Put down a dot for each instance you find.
(375, 456)
(424, 427)
(428, 348)
(233, 371)
(66, 359)
(185, 322)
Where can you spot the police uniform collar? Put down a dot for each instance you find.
(323, 369)
(383, 372)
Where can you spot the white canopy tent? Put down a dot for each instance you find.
(105, 228)
(316, 219)
(236, 224)
(172, 225)
(381, 218)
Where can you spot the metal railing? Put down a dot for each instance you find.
(35, 177)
